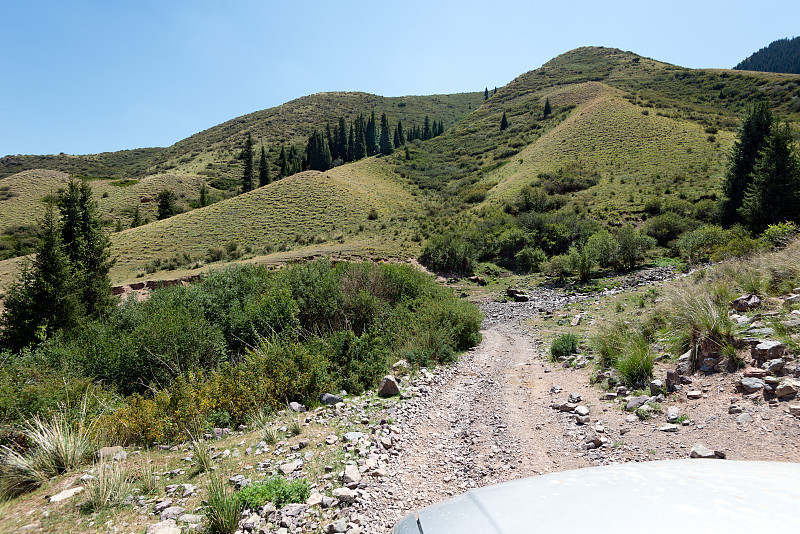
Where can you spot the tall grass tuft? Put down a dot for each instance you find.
(109, 487)
(223, 508)
(271, 435)
(58, 445)
(635, 364)
(609, 344)
(202, 453)
(148, 480)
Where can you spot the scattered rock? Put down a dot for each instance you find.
(746, 303)
(351, 475)
(656, 387)
(164, 527)
(344, 494)
(291, 467)
(116, 454)
(388, 387)
(401, 368)
(754, 372)
(787, 388)
(744, 418)
(768, 350)
(669, 428)
(751, 385)
(518, 295)
(173, 512)
(701, 451)
(694, 394)
(66, 494)
(636, 402)
(329, 399)
(351, 437)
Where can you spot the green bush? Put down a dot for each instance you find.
(448, 253)
(276, 490)
(530, 259)
(780, 234)
(564, 345)
(632, 247)
(666, 227)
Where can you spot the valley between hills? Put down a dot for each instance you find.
(553, 279)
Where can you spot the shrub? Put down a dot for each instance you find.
(780, 234)
(563, 346)
(276, 490)
(530, 259)
(557, 267)
(609, 344)
(604, 248)
(582, 260)
(215, 254)
(448, 253)
(632, 247)
(666, 227)
(372, 215)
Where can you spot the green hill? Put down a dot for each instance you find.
(782, 55)
(630, 128)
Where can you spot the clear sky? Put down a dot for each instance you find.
(85, 76)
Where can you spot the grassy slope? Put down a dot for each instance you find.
(213, 151)
(308, 213)
(30, 189)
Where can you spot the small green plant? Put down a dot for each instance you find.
(202, 454)
(564, 345)
(276, 490)
(109, 487)
(271, 435)
(295, 428)
(635, 364)
(372, 215)
(681, 419)
(147, 477)
(223, 508)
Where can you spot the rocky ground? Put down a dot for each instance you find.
(503, 411)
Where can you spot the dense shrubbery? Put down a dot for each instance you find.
(448, 253)
(241, 339)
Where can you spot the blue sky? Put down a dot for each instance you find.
(91, 76)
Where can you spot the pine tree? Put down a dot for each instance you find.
(351, 144)
(547, 109)
(360, 144)
(166, 204)
(503, 122)
(247, 165)
(408, 154)
(753, 134)
(263, 169)
(86, 245)
(284, 163)
(45, 298)
(773, 194)
(371, 136)
(318, 155)
(486, 94)
(137, 217)
(341, 141)
(426, 132)
(203, 197)
(441, 128)
(329, 139)
(386, 146)
(400, 135)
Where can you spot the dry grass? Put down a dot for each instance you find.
(109, 487)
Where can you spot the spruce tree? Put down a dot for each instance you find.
(46, 297)
(753, 134)
(386, 146)
(318, 155)
(166, 204)
(263, 169)
(360, 144)
(547, 109)
(400, 135)
(503, 122)
(486, 94)
(351, 144)
(773, 194)
(341, 141)
(137, 217)
(426, 132)
(203, 198)
(86, 245)
(284, 163)
(371, 136)
(247, 164)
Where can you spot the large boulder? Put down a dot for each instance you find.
(768, 350)
(388, 387)
(787, 388)
(329, 399)
(746, 303)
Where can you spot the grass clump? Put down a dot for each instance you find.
(223, 508)
(276, 490)
(109, 487)
(635, 364)
(201, 451)
(563, 346)
(59, 444)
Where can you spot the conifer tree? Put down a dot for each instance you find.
(247, 165)
(386, 146)
(86, 246)
(486, 94)
(426, 132)
(318, 155)
(166, 204)
(351, 147)
(408, 154)
(341, 141)
(284, 163)
(441, 128)
(400, 135)
(753, 134)
(46, 297)
(503, 122)
(330, 141)
(263, 169)
(773, 194)
(547, 109)
(137, 217)
(360, 144)
(371, 136)
(203, 198)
